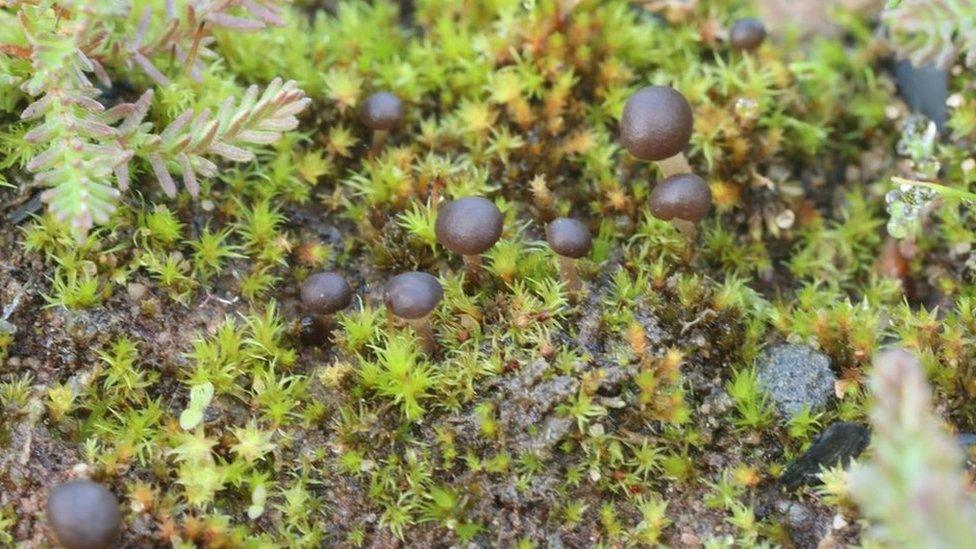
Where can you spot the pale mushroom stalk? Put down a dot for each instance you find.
(474, 265)
(674, 165)
(567, 268)
(421, 326)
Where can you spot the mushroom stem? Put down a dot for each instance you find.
(567, 268)
(674, 165)
(421, 326)
(379, 139)
(686, 228)
(473, 264)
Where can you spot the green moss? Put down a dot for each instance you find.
(601, 419)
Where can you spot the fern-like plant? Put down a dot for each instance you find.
(932, 31)
(62, 47)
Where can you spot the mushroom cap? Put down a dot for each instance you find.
(326, 293)
(412, 295)
(469, 225)
(747, 34)
(569, 237)
(656, 123)
(382, 111)
(84, 515)
(683, 196)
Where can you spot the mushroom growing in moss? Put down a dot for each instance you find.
(413, 296)
(683, 200)
(571, 240)
(747, 34)
(84, 515)
(469, 226)
(323, 295)
(656, 126)
(381, 112)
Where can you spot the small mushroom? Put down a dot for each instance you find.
(571, 240)
(469, 226)
(323, 295)
(412, 297)
(747, 34)
(84, 515)
(381, 112)
(656, 126)
(683, 200)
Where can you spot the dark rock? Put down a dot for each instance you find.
(839, 443)
(925, 89)
(795, 376)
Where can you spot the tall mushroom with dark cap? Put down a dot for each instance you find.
(656, 126)
(469, 226)
(747, 34)
(571, 240)
(84, 515)
(683, 200)
(413, 296)
(381, 112)
(323, 295)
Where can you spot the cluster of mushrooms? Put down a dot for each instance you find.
(656, 126)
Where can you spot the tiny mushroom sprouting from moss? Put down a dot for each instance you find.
(682, 199)
(747, 34)
(381, 112)
(84, 515)
(413, 296)
(571, 240)
(469, 226)
(656, 126)
(323, 295)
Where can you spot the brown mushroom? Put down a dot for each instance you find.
(413, 296)
(381, 112)
(656, 126)
(469, 226)
(323, 295)
(84, 515)
(571, 240)
(682, 199)
(747, 34)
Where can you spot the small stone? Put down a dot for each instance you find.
(839, 443)
(136, 291)
(796, 376)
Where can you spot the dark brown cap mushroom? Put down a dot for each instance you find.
(412, 295)
(84, 515)
(685, 196)
(382, 111)
(571, 240)
(569, 237)
(747, 34)
(656, 123)
(469, 225)
(326, 293)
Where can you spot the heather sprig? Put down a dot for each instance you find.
(912, 487)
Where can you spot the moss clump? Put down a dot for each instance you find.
(151, 335)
